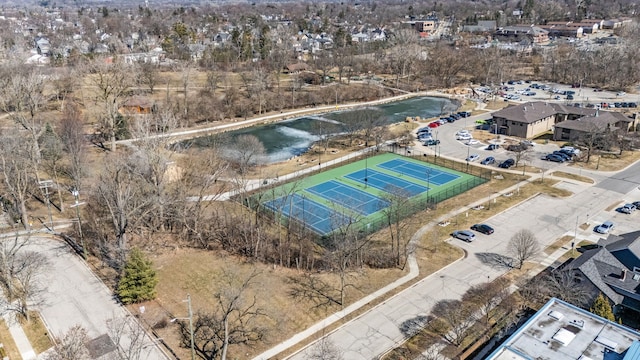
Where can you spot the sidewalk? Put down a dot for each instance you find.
(20, 338)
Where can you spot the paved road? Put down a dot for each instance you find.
(74, 296)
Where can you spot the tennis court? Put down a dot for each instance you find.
(314, 215)
(348, 197)
(419, 171)
(385, 182)
(326, 201)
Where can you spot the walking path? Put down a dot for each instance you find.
(19, 338)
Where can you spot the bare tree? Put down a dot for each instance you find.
(112, 82)
(74, 143)
(564, 285)
(18, 176)
(148, 75)
(121, 193)
(523, 245)
(128, 336)
(487, 296)
(325, 349)
(396, 210)
(246, 153)
(237, 319)
(453, 320)
(71, 346)
(20, 271)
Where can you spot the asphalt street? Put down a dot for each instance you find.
(74, 296)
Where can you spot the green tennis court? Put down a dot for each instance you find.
(359, 192)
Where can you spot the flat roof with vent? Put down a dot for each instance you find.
(561, 331)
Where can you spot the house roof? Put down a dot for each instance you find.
(625, 247)
(526, 113)
(598, 122)
(598, 265)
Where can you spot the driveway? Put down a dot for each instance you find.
(74, 296)
(385, 326)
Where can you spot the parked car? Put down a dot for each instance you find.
(433, 125)
(604, 228)
(507, 164)
(621, 93)
(465, 235)
(431, 142)
(465, 114)
(493, 147)
(463, 131)
(424, 130)
(554, 158)
(562, 155)
(464, 137)
(636, 204)
(488, 160)
(473, 157)
(571, 150)
(472, 142)
(569, 97)
(482, 228)
(627, 208)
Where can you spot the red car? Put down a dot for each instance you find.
(433, 124)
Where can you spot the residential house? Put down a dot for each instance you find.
(561, 331)
(43, 46)
(534, 118)
(598, 123)
(563, 29)
(613, 269)
(533, 34)
(614, 23)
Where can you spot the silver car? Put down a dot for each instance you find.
(465, 235)
(604, 227)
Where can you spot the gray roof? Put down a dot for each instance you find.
(589, 123)
(625, 247)
(598, 265)
(526, 113)
(572, 110)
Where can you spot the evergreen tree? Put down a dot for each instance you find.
(602, 307)
(138, 282)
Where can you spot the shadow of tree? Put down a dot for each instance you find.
(412, 326)
(496, 260)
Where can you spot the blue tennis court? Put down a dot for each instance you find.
(385, 182)
(349, 197)
(316, 216)
(420, 172)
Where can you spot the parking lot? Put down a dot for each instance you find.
(574, 95)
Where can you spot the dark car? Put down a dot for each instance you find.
(493, 147)
(431, 142)
(507, 164)
(554, 158)
(482, 228)
(464, 114)
(488, 161)
(563, 155)
(636, 204)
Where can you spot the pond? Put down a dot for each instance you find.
(286, 139)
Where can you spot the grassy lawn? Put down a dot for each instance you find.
(557, 244)
(610, 162)
(37, 333)
(7, 341)
(572, 176)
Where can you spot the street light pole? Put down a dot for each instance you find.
(76, 194)
(45, 184)
(193, 348)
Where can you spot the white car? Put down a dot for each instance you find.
(621, 93)
(464, 137)
(463, 131)
(604, 227)
(473, 158)
(472, 142)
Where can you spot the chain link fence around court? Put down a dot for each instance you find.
(376, 222)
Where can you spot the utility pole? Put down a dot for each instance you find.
(76, 194)
(45, 184)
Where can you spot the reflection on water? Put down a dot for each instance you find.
(286, 139)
